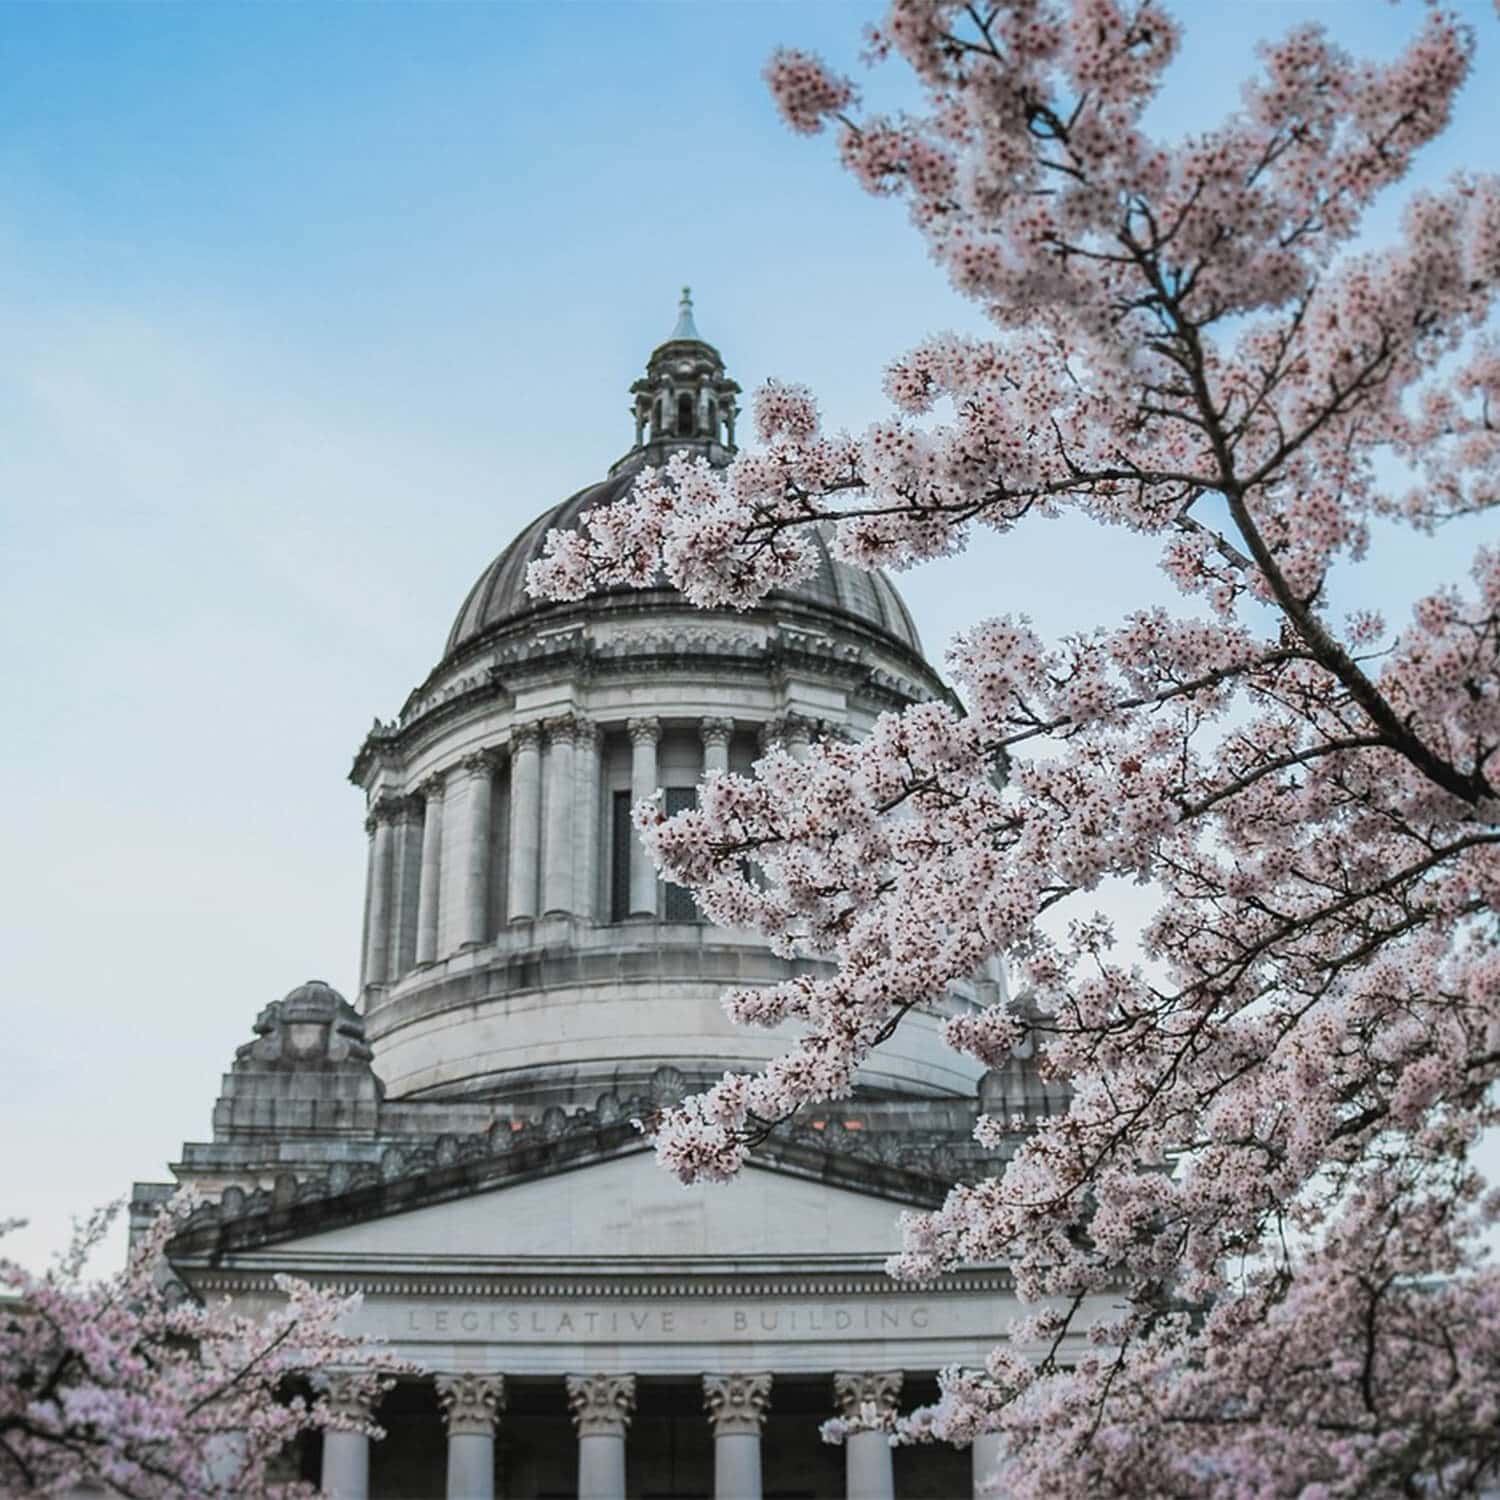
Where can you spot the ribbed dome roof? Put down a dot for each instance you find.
(500, 594)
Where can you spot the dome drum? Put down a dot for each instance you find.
(516, 937)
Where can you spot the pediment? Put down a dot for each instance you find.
(625, 1209)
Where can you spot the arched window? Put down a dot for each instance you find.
(684, 416)
(713, 417)
(660, 421)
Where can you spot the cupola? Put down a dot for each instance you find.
(684, 400)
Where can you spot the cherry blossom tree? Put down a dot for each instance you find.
(1266, 1167)
(132, 1386)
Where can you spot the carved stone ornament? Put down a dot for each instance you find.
(856, 1389)
(471, 1402)
(561, 730)
(480, 762)
(644, 731)
(312, 1027)
(350, 1394)
(431, 790)
(525, 736)
(736, 1403)
(588, 733)
(716, 731)
(602, 1405)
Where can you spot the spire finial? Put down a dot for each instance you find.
(686, 328)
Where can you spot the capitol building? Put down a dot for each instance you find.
(456, 1140)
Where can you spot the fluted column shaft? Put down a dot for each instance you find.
(432, 867)
(736, 1406)
(602, 1407)
(557, 882)
(405, 889)
(525, 819)
(644, 734)
(481, 771)
(471, 1405)
(587, 834)
(716, 734)
(868, 1396)
(346, 1455)
(378, 934)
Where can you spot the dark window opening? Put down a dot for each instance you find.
(621, 836)
(680, 906)
(685, 416)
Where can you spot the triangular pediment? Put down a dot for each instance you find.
(619, 1210)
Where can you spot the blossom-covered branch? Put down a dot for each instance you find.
(132, 1384)
(1266, 1160)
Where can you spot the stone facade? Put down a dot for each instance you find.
(461, 1145)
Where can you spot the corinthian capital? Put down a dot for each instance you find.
(716, 731)
(350, 1394)
(601, 1404)
(853, 1390)
(471, 1403)
(527, 736)
(736, 1403)
(644, 731)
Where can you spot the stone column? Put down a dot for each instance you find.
(432, 867)
(346, 1455)
(481, 769)
(602, 1408)
(867, 1395)
(989, 1453)
(644, 733)
(716, 736)
(525, 819)
(225, 1457)
(378, 934)
(405, 892)
(587, 836)
(471, 1404)
(799, 733)
(557, 881)
(736, 1406)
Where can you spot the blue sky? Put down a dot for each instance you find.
(306, 309)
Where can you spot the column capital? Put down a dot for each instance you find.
(589, 733)
(643, 731)
(736, 1403)
(602, 1405)
(525, 735)
(480, 762)
(853, 1390)
(716, 731)
(561, 730)
(351, 1394)
(431, 790)
(386, 808)
(471, 1402)
(410, 809)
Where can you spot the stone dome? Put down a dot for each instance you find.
(499, 597)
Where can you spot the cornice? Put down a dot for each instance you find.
(878, 1287)
(449, 1167)
(780, 641)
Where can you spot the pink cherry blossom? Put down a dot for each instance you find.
(132, 1384)
(1264, 1173)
